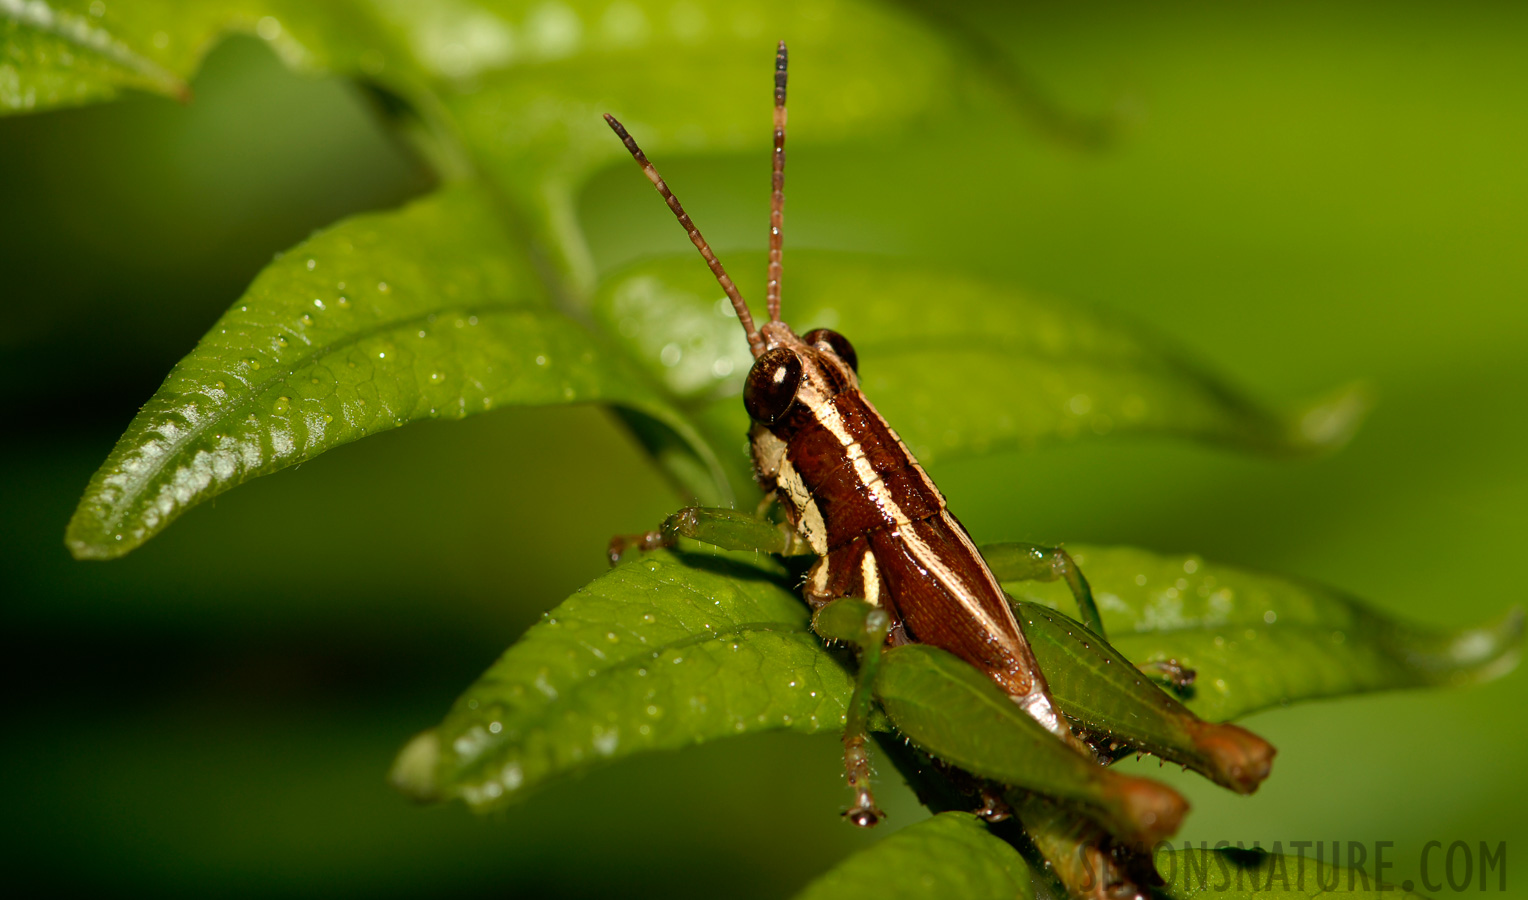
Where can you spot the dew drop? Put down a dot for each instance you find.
(343, 301)
(252, 363)
(312, 263)
(541, 360)
(495, 727)
(307, 319)
(437, 377)
(281, 405)
(220, 385)
(382, 286)
(649, 618)
(281, 341)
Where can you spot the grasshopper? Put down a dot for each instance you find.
(854, 497)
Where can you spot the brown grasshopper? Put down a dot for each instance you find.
(855, 497)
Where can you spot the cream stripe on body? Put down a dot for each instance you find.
(829, 418)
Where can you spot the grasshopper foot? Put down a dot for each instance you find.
(651, 540)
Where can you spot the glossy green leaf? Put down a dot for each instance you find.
(958, 715)
(429, 311)
(661, 653)
(1257, 875)
(67, 52)
(959, 366)
(1259, 640)
(949, 855)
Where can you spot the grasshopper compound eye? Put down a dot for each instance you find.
(771, 386)
(837, 343)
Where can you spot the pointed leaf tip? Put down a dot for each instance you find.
(428, 311)
(1327, 423)
(413, 771)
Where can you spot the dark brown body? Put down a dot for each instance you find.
(883, 530)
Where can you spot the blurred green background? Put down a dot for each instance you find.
(1303, 194)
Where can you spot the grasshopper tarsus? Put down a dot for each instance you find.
(621, 544)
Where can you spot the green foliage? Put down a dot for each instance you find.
(1258, 640)
(657, 655)
(485, 295)
(973, 864)
(432, 311)
(671, 650)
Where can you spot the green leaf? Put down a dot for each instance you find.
(531, 112)
(959, 366)
(661, 653)
(949, 855)
(68, 52)
(61, 54)
(1259, 640)
(957, 714)
(514, 89)
(1256, 875)
(429, 311)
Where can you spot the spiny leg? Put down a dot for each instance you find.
(856, 622)
(728, 529)
(1019, 561)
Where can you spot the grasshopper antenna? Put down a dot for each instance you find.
(777, 197)
(755, 340)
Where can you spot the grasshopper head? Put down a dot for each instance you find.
(798, 372)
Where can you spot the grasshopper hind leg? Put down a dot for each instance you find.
(1035, 562)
